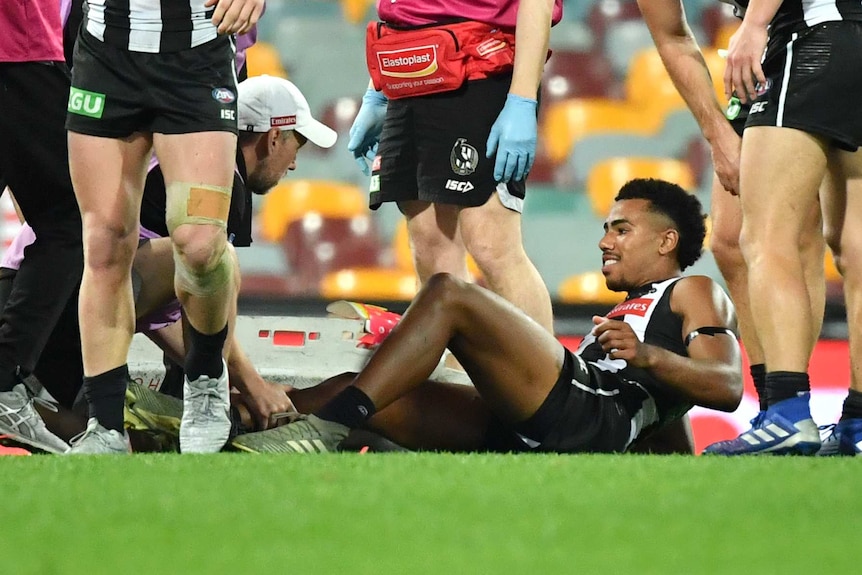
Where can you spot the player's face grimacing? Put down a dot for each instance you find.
(633, 242)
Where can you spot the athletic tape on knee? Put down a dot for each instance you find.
(196, 204)
(207, 282)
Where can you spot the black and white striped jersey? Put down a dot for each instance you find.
(648, 402)
(154, 26)
(799, 15)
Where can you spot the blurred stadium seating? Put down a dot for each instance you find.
(263, 58)
(608, 176)
(403, 254)
(576, 75)
(604, 13)
(316, 245)
(587, 288)
(671, 142)
(291, 200)
(649, 87)
(369, 284)
(567, 121)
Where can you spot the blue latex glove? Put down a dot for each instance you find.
(513, 138)
(366, 128)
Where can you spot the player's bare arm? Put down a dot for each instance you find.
(531, 37)
(711, 376)
(688, 70)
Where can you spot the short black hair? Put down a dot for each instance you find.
(684, 209)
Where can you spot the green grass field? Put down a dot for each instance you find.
(428, 513)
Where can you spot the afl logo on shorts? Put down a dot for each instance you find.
(464, 158)
(761, 89)
(223, 95)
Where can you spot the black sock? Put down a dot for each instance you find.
(205, 354)
(106, 396)
(9, 378)
(781, 385)
(351, 407)
(852, 405)
(758, 374)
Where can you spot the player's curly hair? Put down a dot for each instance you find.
(684, 209)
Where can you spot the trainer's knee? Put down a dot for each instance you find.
(497, 258)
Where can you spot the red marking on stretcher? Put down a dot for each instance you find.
(264, 333)
(288, 338)
(314, 335)
(10, 450)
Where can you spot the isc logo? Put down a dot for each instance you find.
(758, 107)
(228, 114)
(458, 186)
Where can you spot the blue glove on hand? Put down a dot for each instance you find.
(513, 138)
(366, 128)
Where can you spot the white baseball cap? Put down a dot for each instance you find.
(266, 102)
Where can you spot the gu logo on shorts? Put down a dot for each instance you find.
(638, 306)
(414, 62)
(464, 158)
(223, 95)
(85, 103)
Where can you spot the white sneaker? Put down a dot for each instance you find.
(20, 421)
(205, 425)
(97, 440)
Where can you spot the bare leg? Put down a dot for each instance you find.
(432, 416)
(435, 238)
(108, 176)
(724, 244)
(772, 228)
(512, 361)
(492, 235)
(726, 216)
(206, 158)
(154, 264)
(842, 210)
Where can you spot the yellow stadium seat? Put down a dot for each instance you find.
(722, 36)
(830, 269)
(263, 58)
(363, 284)
(404, 253)
(291, 200)
(588, 288)
(716, 64)
(648, 85)
(355, 11)
(567, 121)
(607, 177)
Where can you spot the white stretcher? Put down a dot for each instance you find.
(298, 351)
